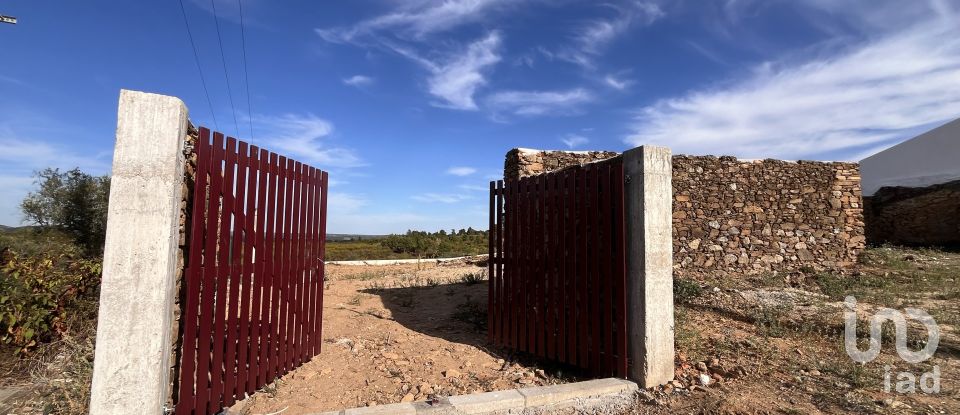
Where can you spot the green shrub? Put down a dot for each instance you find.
(685, 290)
(38, 292)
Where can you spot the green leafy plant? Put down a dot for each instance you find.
(38, 292)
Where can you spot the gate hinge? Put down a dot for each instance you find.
(626, 178)
(167, 409)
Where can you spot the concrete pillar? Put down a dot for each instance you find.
(132, 356)
(648, 199)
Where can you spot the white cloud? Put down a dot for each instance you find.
(574, 140)
(619, 84)
(441, 197)
(358, 80)
(457, 80)
(474, 187)
(864, 97)
(592, 38)
(416, 19)
(302, 136)
(532, 103)
(461, 171)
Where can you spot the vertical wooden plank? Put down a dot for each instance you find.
(549, 259)
(265, 257)
(275, 247)
(293, 273)
(517, 279)
(620, 271)
(324, 184)
(286, 167)
(606, 282)
(524, 310)
(543, 266)
(536, 276)
(520, 277)
(556, 261)
(595, 267)
(562, 261)
(501, 264)
(306, 236)
(509, 250)
(302, 249)
(234, 345)
(317, 281)
(582, 258)
(256, 221)
(187, 394)
(570, 269)
(491, 258)
(223, 270)
(207, 309)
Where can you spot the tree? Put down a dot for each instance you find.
(72, 201)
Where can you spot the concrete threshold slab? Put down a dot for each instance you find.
(508, 401)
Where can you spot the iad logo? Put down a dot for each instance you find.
(906, 381)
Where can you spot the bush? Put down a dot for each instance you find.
(38, 294)
(72, 201)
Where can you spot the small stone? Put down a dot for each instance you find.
(451, 373)
(407, 398)
(704, 379)
(391, 356)
(701, 366)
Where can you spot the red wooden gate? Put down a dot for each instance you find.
(558, 269)
(253, 283)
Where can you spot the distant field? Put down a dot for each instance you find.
(373, 247)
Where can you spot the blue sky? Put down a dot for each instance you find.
(411, 105)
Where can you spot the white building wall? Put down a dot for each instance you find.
(927, 159)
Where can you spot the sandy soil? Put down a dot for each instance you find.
(396, 333)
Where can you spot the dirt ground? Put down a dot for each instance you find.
(398, 333)
(766, 343)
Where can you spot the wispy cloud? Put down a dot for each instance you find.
(358, 80)
(474, 187)
(456, 80)
(592, 38)
(617, 83)
(461, 171)
(863, 97)
(574, 140)
(303, 136)
(441, 197)
(533, 103)
(416, 19)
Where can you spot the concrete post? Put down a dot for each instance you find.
(131, 369)
(648, 199)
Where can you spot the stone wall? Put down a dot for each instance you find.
(522, 162)
(736, 215)
(914, 215)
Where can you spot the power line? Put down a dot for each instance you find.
(246, 75)
(196, 58)
(223, 59)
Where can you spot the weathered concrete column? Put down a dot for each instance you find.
(131, 368)
(648, 199)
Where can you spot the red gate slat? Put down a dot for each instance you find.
(526, 331)
(620, 274)
(562, 261)
(231, 370)
(501, 229)
(324, 184)
(570, 272)
(549, 260)
(292, 271)
(536, 277)
(305, 267)
(606, 305)
(186, 395)
(491, 258)
(257, 339)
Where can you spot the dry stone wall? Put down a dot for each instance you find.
(914, 216)
(746, 216)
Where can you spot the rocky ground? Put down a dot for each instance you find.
(763, 343)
